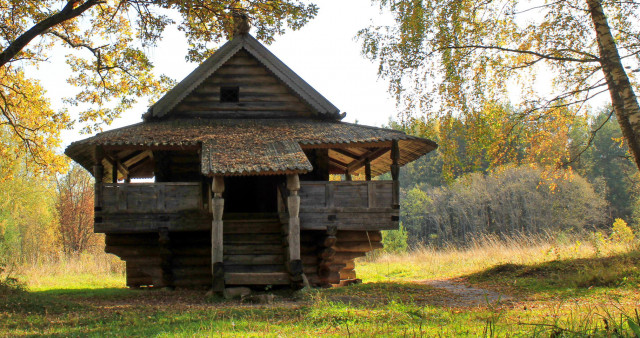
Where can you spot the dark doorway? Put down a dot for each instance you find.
(251, 194)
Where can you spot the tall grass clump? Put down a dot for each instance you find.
(486, 251)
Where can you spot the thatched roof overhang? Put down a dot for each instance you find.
(257, 147)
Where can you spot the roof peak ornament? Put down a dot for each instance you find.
(241, 22)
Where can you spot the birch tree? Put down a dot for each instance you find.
(449, 57)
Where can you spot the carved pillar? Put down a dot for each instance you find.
(293, 234)
(217, 265)
(395, 173)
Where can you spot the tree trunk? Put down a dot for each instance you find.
(623, 99)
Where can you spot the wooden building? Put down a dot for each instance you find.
(241, 152)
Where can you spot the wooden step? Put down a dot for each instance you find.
(252, 226)
(256, 278)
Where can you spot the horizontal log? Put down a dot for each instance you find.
(131, 239)
(354, 236)
(274, 278)
(254, 268)
(347, 274)
(272, 105)
(252, 249)
(357, 246)
(252, 238)
(347, 256)
(253, 89)
(245, 114)
(139, 281)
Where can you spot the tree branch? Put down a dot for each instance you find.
(67, 13)
(591, 58)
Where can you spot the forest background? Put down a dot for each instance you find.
(566, 170)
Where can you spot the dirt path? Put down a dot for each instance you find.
(466, 296)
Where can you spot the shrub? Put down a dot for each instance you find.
(395, 241)
(622, 232)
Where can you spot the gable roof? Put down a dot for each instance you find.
(247, 42)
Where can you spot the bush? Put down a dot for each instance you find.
(395, 241)
(510, 201)
(622, 232)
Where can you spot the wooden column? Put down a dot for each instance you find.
(293, 233)
(98, 174)
(395, 173)
(166, 256)
(347, 175)
(114, 170)
(367, 169)
(217, 253)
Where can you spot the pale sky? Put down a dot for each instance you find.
(324, 53)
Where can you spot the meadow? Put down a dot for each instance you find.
(546, 286)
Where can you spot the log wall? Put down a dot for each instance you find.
(261, 94)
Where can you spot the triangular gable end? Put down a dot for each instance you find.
(205, 81)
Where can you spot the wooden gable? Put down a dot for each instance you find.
(260, 94)
(267, 88)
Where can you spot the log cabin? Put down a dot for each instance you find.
(237, 159)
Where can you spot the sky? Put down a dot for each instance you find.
(324, 53)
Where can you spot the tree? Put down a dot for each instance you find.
(474, 51)
(108, 42)
(74, 204)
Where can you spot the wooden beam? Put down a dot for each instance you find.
(347, 153)
(370, 155)
(132, 161)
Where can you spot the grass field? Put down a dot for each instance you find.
(533, 289)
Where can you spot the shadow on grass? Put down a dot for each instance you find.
(621, 270)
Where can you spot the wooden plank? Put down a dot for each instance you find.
(258, 259)
(274, 278)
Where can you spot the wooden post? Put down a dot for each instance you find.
(347, 175)
(98, 174)
(166, 256)
(293, 235)
(114, 170)
(217, 253)
(367, 169)
(395, 173)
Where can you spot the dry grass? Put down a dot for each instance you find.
(486, 252)
(86, 270)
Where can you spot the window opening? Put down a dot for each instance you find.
(229, 94)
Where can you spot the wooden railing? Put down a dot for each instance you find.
(144, 207)
(353, 205)
(152, 197)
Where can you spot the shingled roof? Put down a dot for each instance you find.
(247, 42)
(252, 146)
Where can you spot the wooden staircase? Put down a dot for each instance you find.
(254, 253)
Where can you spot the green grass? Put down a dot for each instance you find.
(569, 296)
